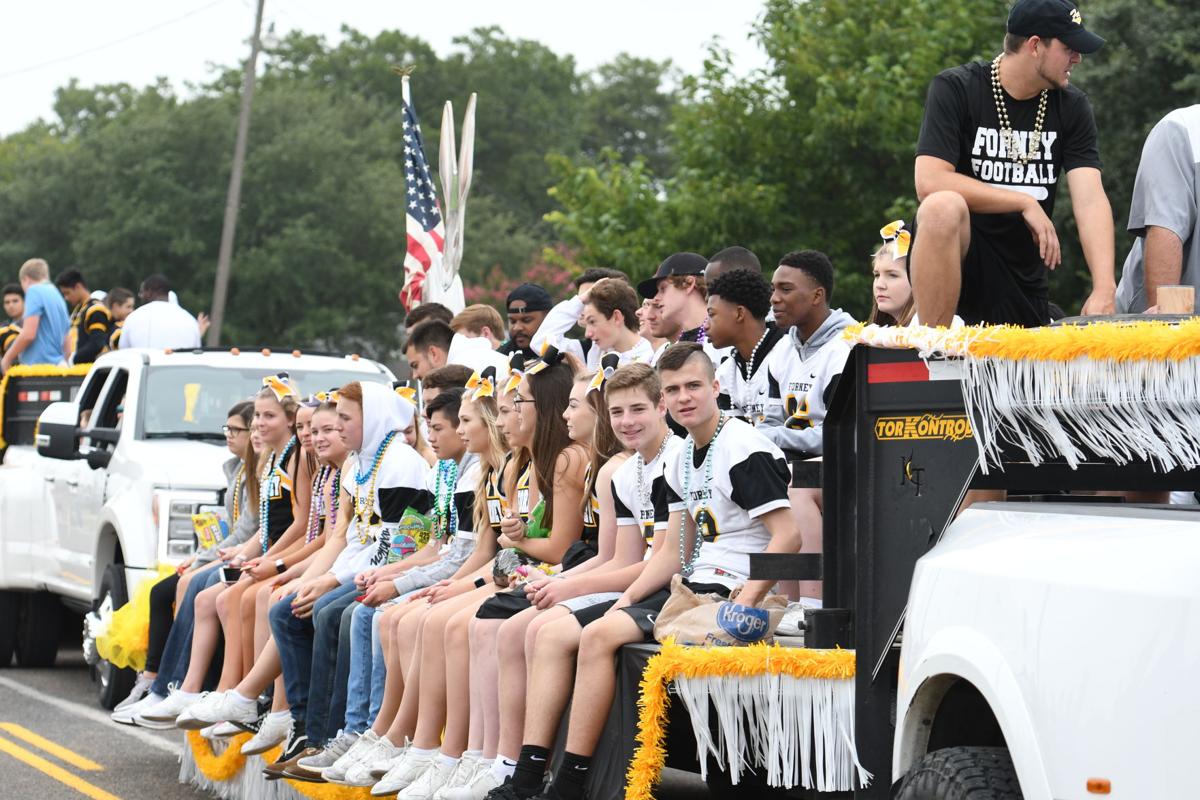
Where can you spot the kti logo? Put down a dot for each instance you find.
(1076, 17)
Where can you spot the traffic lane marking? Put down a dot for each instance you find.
(53, 748)
(93, 714)
(54, 771)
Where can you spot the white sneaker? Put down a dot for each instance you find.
(406, 770)
(433, 778)
(273, 731)
(337, 748)
(141, 688)
(361, 748)
(482, 782)
(223, 730)
(125, 715)
(217, 707)
(383, 756)
(168, 710)
(207, 733)
(463, 775)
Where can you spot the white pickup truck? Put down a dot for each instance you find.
(105, 487)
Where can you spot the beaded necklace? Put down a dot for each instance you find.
(686, 564)
(445, 523)
(264, 493)
(316, 509)
(364, 509)
(644, 489)
(1006, 131)
(239, 480)
(747, 371)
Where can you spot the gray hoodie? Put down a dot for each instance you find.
(800, 380)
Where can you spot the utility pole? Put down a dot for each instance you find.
(234, 195)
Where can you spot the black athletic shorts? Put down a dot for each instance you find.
(995, 291)
(578, 553)
(504, 605)
(646, 612)
(586, 616)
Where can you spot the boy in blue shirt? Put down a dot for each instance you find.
(44, 329)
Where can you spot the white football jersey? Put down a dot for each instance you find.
(748, 399)
(629, 498)
(749, 479)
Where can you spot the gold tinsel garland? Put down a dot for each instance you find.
(676, 661)
(224, 767)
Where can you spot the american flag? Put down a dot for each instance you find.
(423, 219)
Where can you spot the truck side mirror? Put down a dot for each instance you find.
(56, 434)
(98, 459)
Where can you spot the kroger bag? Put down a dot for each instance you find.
(711, 620)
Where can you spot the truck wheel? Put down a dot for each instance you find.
(963, 773)
(114, 683)
(38, 630)
(10, 615)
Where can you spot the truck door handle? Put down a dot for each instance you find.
(72, 482)
(48, 478)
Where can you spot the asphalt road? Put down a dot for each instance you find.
(56, 743)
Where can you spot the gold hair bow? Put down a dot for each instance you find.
(332, 396)
(548, 357)
(516, 371)
(482, 385)
(897, 233)
(409, 393)
(280, 386)
(608, 365)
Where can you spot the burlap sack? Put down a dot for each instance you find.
(711, 620)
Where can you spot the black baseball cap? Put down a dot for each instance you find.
(1053, 19)
(528, 297)
(676, 264)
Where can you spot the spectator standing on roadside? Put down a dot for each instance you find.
(158, 322)
(45, 324)
(1163, 213)
(91, 320)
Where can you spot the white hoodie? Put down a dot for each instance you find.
(399, 484)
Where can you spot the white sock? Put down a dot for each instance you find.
(243, 700)
(474, 754)
(504, 767)
(418, 751)
(448, 761)
(279, 716)
(186, 695)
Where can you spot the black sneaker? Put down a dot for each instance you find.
(252, 727)
(508, 791)
(293, 750)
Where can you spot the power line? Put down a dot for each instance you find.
(114, 43)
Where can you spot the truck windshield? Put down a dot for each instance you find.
(193, 401)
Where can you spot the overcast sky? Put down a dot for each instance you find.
(44, 45)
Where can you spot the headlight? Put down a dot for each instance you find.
(180, 539)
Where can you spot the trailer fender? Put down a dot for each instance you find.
(955, 654)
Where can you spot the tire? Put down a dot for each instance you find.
(38, 630)
(963, 773)
(113, 683)
(10, 616)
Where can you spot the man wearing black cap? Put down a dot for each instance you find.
(527, 306)
(681, 301)
(993, 142)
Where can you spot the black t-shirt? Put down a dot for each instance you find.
(961, 126)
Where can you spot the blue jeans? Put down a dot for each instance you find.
(308, 655)
(177, 653)
(365, 672)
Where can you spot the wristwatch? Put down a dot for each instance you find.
(280, 567)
